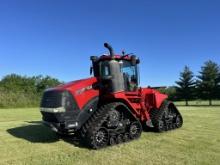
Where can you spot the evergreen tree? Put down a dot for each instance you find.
(185, 85)
(218, 95)
(208, 83)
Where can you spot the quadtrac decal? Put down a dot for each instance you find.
(82, 90)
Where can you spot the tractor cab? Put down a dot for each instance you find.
(115, 72)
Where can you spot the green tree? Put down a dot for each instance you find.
(170, 91)
(218, 84)
(14, 82)
(185, 85)
(43, 83)
(23, 91)
(208, 81)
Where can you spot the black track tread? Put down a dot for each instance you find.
(95, 122)
(157, 115)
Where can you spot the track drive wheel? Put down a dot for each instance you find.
(99, 138)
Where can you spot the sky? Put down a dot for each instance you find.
(57, 37)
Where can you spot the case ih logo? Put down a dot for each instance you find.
(82, 90)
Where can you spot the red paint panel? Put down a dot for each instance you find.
(159, 97)
(82, 90)
(155, 98)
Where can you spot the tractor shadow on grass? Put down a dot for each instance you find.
(36, 132)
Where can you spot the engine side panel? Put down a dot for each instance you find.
(159, 99)
(153, 98)
(82, 90)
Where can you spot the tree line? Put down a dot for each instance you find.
(205, 85)
(23, 91)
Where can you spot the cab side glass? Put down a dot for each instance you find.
(105, 69)
(130, 76)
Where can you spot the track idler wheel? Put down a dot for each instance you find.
(161, 126)
(178, 121)
(135, 130)
(112, 140)
(119, 138)
(126, 137)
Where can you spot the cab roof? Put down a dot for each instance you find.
(116, 57)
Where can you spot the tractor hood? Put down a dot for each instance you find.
(81, 90)
(66, 107)
(74, 85)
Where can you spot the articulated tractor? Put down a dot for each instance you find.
(109, 108)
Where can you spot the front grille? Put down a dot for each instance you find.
(52, 99)
(55, 99)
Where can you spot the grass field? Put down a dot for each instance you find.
(198, 103)
(23, 140)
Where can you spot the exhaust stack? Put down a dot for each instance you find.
(111, 51)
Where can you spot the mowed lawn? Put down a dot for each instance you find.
(23, 140)
(198, 103)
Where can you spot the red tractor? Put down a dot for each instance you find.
(109, 108)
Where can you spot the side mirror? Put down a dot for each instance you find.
(133, 60)
(93, 58)
(91, 70)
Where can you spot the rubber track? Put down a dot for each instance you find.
(157, 115)
(95, 122)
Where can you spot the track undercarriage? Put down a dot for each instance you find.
(111, 124)
(166, 118)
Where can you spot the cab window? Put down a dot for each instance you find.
(104, 69)
(130, 75)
